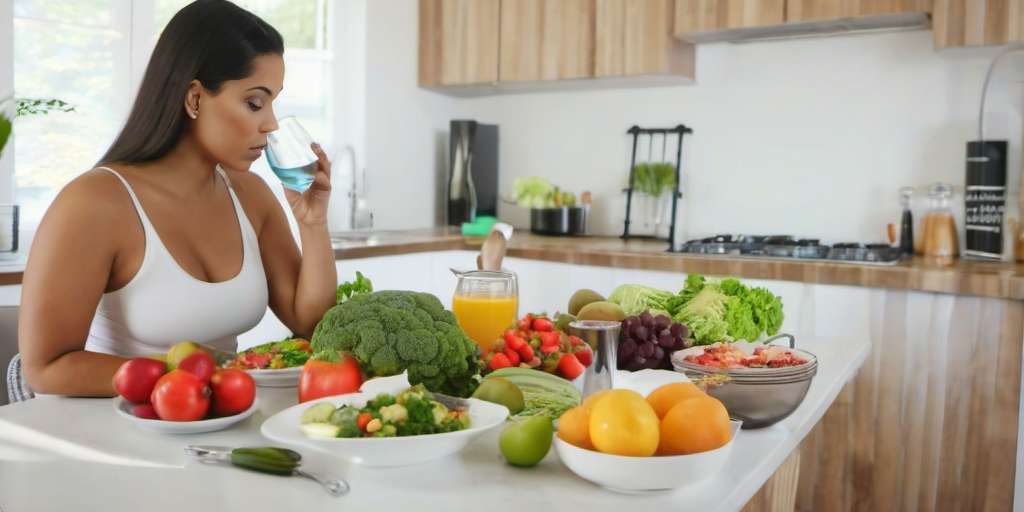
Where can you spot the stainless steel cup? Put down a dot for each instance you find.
(603, 338)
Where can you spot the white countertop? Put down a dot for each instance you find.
(77, 454)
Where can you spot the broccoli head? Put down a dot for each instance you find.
(391, 331)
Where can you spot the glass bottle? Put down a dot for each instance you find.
(906, 222)
(940, 242)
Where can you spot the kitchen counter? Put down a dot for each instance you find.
(101, 461)
(985, 279)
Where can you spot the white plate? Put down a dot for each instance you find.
(638, 474)
(283, 427)
(124, 408)
(282, 378)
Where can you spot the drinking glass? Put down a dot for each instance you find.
(290, 156)
(485, 304)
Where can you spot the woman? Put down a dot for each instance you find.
(159, 244)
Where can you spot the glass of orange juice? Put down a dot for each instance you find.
(486, 303)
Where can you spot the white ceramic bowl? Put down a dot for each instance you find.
(283, 427)
(637, 474)
(124, 408)
(282, 378)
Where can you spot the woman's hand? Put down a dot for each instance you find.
(310, 207)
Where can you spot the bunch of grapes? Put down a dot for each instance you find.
(646, 341)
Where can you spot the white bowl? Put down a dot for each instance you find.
(281, 378)
(124, 408)
(283, 427)
(636, 474)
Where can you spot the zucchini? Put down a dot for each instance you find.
(277, 461)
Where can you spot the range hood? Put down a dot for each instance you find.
(859, 24)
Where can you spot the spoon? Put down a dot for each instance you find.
(222, 454)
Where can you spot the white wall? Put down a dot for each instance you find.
(7, 89)
(811, 137)
(406, 127)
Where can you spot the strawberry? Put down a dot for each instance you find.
(525, 323)
(584, 355)
(533, 363)
(575, 341)
(500, 361)
(509, 335)
(549, 349)
(512, 356)
(570, 367)
(515, 343)
(526, 352)
(548, 339)
(543, 325)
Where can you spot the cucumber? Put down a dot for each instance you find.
(320, 430)
(277, 461)
(318, 413)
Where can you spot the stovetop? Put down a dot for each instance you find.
(789, 247)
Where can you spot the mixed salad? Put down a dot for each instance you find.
(276, 355)
(412, 412)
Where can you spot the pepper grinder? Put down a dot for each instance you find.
(906, 222)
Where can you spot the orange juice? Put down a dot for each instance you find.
(485, 318)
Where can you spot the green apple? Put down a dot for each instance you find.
(501, 391)
(525, 442)
(179, 351)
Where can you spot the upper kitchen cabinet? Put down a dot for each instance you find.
(708, 20)
(736, 20)
(634, 38)
(818, 10)
(546, 40)
(977, 22)
(458, 42)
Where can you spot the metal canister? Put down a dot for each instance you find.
(603, 338)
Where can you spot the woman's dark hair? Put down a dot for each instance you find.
(208, 40)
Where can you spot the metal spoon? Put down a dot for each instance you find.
(222, 455)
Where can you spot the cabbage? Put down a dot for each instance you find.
(635, 299)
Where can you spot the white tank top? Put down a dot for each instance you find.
(163, 304)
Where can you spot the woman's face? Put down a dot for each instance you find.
(232, 125)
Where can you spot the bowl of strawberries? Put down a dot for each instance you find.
(538, 342)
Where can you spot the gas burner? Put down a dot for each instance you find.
(786, 246)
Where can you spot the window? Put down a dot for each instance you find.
(92, 53)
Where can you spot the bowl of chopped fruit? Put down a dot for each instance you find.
(759, 383)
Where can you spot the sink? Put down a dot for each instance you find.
(348, 239)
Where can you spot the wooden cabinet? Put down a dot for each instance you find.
(634, 37)
(817, 10)
(692, 16)
(458, 42)
(546, 40)
(977, 22)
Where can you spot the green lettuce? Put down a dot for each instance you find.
(726, 310)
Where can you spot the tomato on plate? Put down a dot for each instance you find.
(180, 396)
(233, 391)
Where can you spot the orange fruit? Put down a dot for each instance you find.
(574, 427)
(663, 398)
(694, 425)
(623, 423)
(588, 404)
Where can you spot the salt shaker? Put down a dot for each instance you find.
(603, 338)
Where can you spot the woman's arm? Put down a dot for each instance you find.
(68, 270)
(302, 286)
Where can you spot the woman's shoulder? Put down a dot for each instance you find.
(95, 192)
(252, 191)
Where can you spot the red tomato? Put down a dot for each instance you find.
(180, 396)
(233, 392)
(200, 364)
(135, 378)
(324, 378)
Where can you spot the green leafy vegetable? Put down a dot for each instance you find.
(536, 192)
(726, 310)
(349, 289)
(654, 178)
(391, 331)
(635, 299)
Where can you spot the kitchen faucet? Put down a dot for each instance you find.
(353, 193)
